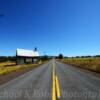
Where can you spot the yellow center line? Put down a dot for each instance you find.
(55, 86)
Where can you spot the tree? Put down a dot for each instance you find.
(60, 56)
(44, 58)
(7, 58)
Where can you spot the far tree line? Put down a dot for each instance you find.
(43, 58)
(7, 58)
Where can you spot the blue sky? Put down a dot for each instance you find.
(71, 27)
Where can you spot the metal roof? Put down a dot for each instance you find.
(27, 53)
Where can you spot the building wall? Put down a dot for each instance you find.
(26, 60)
(29, 60)
(20, 60)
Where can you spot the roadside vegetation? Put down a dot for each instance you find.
(88, 62)
(7, 58)
(8, 65)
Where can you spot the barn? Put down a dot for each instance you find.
(26, 56)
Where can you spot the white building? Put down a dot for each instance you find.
(26, 56)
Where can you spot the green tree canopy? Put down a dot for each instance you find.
(60, 56)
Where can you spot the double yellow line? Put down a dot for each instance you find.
(55, 86)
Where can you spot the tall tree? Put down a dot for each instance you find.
(60, 56)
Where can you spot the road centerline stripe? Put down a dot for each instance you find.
(57, 88)
(55, 85)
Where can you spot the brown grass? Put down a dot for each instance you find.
(86, 63)
(8, 67)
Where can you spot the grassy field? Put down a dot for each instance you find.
(7, 67)
(86, 63)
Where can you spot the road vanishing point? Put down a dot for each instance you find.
(53, 80)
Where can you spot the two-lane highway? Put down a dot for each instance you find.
(53, 78)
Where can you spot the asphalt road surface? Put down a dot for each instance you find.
(37, 84)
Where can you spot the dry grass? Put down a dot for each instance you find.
(86, 63)
(8, 67)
